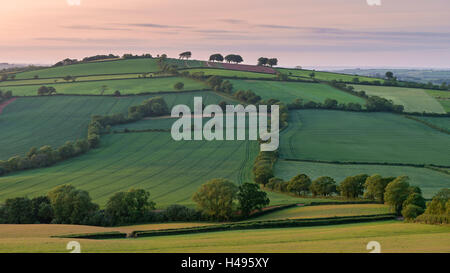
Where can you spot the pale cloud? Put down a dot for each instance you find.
(73, 2)
(374, 2)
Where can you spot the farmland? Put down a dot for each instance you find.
(287, 92)
(53, 120)
(393, 236)
(231, 73)
(323, 211)
(362, 137)
(325, 76)
(443, 97)
(414, 100)
(428, 180)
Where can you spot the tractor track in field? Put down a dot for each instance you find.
(6, 103)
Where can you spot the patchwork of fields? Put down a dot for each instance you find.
(362, 137)
(414, 100)
(325, 76)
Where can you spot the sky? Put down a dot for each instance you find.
(396, 33)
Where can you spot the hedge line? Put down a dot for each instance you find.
(366, 163)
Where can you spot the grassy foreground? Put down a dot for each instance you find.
(392, 235)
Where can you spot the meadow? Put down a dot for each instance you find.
(324, 211)
(125, 86)
(428, 180)
(362, 137)
(443, 97)
(413, 99)
(53, 120)
(172, 171)
(231, 73)
(287, 92)
(325, 76)
(393, 236)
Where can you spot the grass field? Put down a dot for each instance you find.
(392, 235)
(323, 211)
(53, 120)
(429, 181)
(443, 97)
(231, 73)
(125, 86)
(414, 100)
(441, 122)
(172, 171)
(362, 137)
(287, 92)
(325, 76)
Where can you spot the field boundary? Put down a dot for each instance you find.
(6, 103)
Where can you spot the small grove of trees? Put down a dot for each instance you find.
(233, 58)
(438, 210)
(129, 207)
(216, 198)
(216, 58)
(263, 61)
(46, 90)
(185, 55)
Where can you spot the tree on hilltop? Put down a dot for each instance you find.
(185, 55)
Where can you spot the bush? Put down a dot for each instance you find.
(410, 212)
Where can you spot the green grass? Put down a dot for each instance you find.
(325, 76)
(126, 86)
(443, 97)
(53, 120)
(325, 211)
(441, 122)
(172, 171)
(287, 92)
(95, 68)
(362, 137)
(428, 180)
(413, 99)
(231, 73)
(393, 236)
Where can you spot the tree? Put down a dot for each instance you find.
(44, 90)
(71, 206)
(178, 86)
(215, 198)
(323, 186)
(216, 57)
(410, 212)
(415, 199)
(18, 211)
(312, 75)
(262, 174)
(232, 58)
(299, 184)
(375, 186)
(250, 197)
(262, 61)
(389, 75)
(117, 93)
(353, 186)
(129, 207)
(273, 61)
(396, 193)
(42, 209)
(185, 55)
(440, 203)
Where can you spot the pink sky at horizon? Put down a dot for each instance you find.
(399, 33)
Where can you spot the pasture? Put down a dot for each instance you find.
(231, 73)
(287, 92)
(108, 87)
(428, 180)
(362, 137)
(413, 99)
(393, 236)
(324, 76)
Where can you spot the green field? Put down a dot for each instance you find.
(362, 137)
(429, 181)
(393, 236)
(53, 120)
(287, 92)
(172, 171)
(125, 86)
(441, 122)
(414, 100)
(443, 97)
(231, 73)
(324, 211)
(95, 68)
(325, 76)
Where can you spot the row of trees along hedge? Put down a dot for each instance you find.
(437, 211)
(47, 156)
(99, 58)
(263, 61)
(392, 81)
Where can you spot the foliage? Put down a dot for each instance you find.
(250, 197)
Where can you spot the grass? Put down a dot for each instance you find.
(53, 120)
(392, 235)
(324, 211)
(172, 171)
(287, 92)
(413, 99)
(325, 76)
(362, 137)
(231, 73)
(95, 68)
(125, 86)
(429, 181)
(443, 97)
(441, 122)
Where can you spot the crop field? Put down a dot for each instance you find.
(414, 100)
(53, 120)
(125, 86)
(325, 76)
(428, 180)
(362, 137)
(393, 236)
(231, 73)
(441, 122)
(172, 171)
(287, 92)
(324, 211)
(443, 97)
(95, 68)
